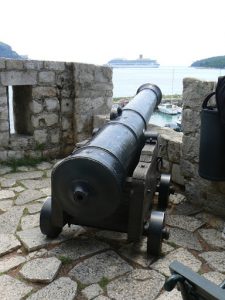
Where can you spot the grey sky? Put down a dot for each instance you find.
(175, 32)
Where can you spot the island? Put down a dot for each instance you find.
(7, 52)
(217, 62)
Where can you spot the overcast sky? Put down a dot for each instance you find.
(175, 32)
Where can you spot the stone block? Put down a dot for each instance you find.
(33, 64)
(14, 64)
(41, 92)
(44, 120)
(83, 123)
(54, 65)
(19, 78)
(4, 113)
(2, 64)
(3, 155)
(52, 104)
(100, 120)
(176, 174)
(54, 136)
(103, 74)
(4, 139)
(190, 121)
(15, 154)
(195, 91)
(84, 106)
(3, 91)
(174, 150)
(3, 100)
(66, 123)
(36, 107)
(4, 125)
(67, 105)
(46, 77)
(190, 148)
(40, 136)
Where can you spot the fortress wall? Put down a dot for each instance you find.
(54, 104)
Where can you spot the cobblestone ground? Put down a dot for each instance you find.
(92, 264)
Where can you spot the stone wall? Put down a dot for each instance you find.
(208, 194)
(54, 104)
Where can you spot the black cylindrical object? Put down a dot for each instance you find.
(212, 146)
(88, 184)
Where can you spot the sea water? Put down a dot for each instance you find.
(126, 81)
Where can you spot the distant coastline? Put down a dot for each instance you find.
(216, 62)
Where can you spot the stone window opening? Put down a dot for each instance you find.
(19, 99)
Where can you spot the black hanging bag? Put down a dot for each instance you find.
(212, 136)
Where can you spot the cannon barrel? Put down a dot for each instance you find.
(88, 184)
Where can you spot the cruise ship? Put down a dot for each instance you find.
(133, 63)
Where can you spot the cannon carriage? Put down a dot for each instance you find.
(110, 182)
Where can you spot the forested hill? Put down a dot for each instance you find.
(7, 52)
(211, 62)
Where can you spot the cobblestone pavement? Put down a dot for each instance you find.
(92, 264)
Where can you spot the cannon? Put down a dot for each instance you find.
(192, 285)
(110, 182)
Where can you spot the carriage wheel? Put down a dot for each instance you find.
(156, 233)
(46, 225)
(164, 192)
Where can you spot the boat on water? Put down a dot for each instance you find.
(133, 63)
(170, 109)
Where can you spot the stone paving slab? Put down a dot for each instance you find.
(138, 252)
(184, 222)
(216, 260)
(7, 264)
(41, 269)
(173, 295)
(4, 170)
(184, 239)
(138, 284)
(8, 243)
(181, 255)
(33, 239)
(78, 248)
(61, 289)
(30, 221)
(12, 289)
(102, 298)
(28, 196)
(215, 277)
(24, 175)
(44, 166)
(92, 291)
(10, 220)
(17, 189)
(5, 205)
(212, 237)
(6, 194)
(107, 264)
(6, 183)
(36, 183)
(214, 221)
(34, 208)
